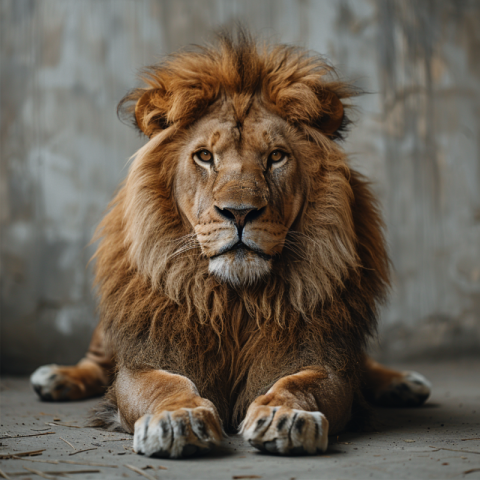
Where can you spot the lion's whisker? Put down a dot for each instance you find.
(182, 250)
(305, 237)
(296, 250)
(184, 238)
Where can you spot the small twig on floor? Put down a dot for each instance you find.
(40, 429)
(32, 453)
(62, 424)
(465, 439)
(90, 464)
(51, 474)
(140, 472)
(4, 475)
(246, 476)
(41, 474)
(67, 442)
(84, 450)
(115, 440)
(54, 462)
(158, 467)
(455, 450)
(23, 436)
(471, 471)
(69, 462)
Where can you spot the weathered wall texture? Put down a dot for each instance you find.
(65, 64)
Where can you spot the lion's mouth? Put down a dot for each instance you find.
(240, 248)
(240, 264)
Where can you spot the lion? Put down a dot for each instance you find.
(241, 264)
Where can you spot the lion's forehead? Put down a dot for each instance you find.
(259, 131)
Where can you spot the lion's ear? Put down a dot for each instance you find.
(151, 111)
(148, 107)
(332, 117)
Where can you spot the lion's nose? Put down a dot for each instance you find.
(240, 216)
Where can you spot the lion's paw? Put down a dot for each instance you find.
(182, 433)
(409, 390)
(51, 383)
(286, 431)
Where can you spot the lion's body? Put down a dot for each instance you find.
(240, 273)
(239, 350)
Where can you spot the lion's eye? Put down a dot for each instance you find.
(277, 156)
(204, 156)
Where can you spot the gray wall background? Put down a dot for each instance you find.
(66, 63)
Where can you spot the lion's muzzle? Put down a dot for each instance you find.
(235, 244)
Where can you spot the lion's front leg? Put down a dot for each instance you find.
(297, 414)
(166, 414)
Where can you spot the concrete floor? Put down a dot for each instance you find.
(439, 440)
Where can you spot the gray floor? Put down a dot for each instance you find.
(439, 440)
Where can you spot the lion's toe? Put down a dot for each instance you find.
(286, 431)
(179, 434)
(409, 390)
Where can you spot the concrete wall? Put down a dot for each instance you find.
(66, 63)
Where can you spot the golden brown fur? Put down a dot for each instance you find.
(298, 326)
(172, 314)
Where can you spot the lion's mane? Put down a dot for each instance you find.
(161, 308)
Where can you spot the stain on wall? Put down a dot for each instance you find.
(65, 65)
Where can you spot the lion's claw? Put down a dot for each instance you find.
(286, 431)
(182, 433)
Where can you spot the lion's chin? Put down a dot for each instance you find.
(239, 267)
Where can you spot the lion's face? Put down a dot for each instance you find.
(241, 154)
(239, 186)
